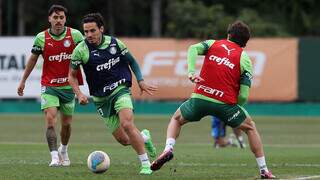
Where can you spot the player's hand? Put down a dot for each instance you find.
(147, 88)
(195, 78)
(83, 99)
(21, 88)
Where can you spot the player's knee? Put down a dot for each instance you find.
(127, 125)
(66, 126)
(50, 117)
(248, 125)
(66, 121)
(179, 119)
(123, 141)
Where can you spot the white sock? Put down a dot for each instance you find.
(262, 163)
(144, 159)
(64, 148)
(240, 138)
(54, 155)
(169, 144)
(145, 138)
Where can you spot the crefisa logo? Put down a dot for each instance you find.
(66, 43)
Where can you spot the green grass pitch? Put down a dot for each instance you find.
(291, 147)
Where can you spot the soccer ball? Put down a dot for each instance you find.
(98, 162)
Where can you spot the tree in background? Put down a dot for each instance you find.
(178, 18)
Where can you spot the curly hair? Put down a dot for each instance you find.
(239, 32)
(93, 17)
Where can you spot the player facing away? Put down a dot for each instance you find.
(106, 62)
(220, 90)
(55, 44)
(218, 133)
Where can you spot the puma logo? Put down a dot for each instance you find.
(226, 48)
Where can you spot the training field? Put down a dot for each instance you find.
(291, 146)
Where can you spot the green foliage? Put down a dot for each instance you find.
(188, 19)
(200, 21)
(180, 18)
(260, 27)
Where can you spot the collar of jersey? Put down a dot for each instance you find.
(57, 36)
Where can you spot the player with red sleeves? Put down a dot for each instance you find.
(221, 90)
(56, 45)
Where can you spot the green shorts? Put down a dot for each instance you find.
(61, 97)
(108, 107)
(194, 109)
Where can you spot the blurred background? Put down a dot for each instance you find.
(284, 98)
(283, 49)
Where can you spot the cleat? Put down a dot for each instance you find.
(64, 158)
(266, 175)
(161, 160)
(145, 170)
(149, 145)
(54, 163)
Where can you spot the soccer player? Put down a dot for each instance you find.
(106, 62)
(221, 90)
(218, 133)
(55, 44)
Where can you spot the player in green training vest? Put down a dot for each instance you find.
(55, 45)
(221, 90)
(107, 62)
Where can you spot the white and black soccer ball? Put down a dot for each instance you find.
(98, 161)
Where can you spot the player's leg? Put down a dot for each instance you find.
(65, 134)
(248, 126)
(218, 133)
(66, 112)
(136, 139)
(174, 128)
(67, 105)
(49, 106)
(189, 110)
(126, 123)
(238, 135)
(121, 136)
(173, 132)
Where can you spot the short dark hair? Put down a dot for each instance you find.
(93, 17)
(239, 33)
(56, 8)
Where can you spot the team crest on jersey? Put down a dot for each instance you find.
(113, 50)
(43, 89)
(67, 43)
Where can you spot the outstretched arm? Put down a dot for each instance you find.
(137, 72)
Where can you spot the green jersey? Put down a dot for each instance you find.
(38, 44)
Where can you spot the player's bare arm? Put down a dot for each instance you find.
(29, 67)
(148, 88)
(73, 81)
